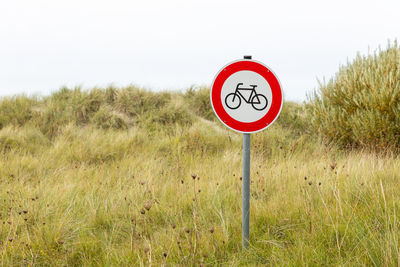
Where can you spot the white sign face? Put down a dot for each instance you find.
(246, 96)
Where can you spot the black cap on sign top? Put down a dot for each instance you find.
(247, 57)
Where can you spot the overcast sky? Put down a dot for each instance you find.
(163, 45)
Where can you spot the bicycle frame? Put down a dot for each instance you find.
(253, 91)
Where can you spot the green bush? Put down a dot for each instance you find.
(360, 106)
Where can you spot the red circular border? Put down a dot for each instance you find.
(277, 99)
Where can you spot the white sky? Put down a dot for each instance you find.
(45, 44)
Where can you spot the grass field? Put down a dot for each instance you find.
(116, 187)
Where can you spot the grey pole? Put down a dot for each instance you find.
(246, 188)
(246, 191)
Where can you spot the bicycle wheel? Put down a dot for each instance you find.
(259, 102)
(233, 101)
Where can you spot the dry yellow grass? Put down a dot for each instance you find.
(93, 197)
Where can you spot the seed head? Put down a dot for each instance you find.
(333, 166)
(147, 205)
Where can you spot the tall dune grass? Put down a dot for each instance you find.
(133, 178)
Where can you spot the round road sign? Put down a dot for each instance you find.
(246, 96)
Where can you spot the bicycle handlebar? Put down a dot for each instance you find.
(237, 86)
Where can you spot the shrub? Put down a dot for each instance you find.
(360, 106)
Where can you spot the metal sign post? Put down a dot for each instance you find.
(247, 97)
(246, 191)
(246, 188)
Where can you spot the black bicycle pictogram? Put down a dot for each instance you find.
(258, 101)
